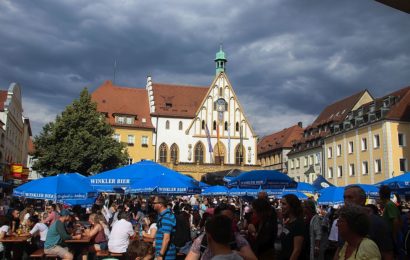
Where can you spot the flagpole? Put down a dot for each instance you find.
(229, 143)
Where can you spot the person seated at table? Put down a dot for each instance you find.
(4, 229)
(52, 215)
(150, 226)
(56, 236)
(96, 233)
(38, 232)
(140, 250)
(120, 234)
(14, 219)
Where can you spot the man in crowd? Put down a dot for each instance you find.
(56, 236)
(120, 234)
(164, 248)
(52, 215)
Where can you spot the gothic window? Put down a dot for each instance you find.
(174, 153)
(163, 149)
(214, 125)
(237, 127)
(238, 155)
(220, 92)
(167, 124)
(180, 125)
(226, 126)
(199, 153)
(203, 125)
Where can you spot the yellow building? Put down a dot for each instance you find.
(370, 145)
(127, 111)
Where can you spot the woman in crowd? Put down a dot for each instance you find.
(294, 231)
(354, 224)
(4, 229)
(38, 232)
(150, 226)
(96, 232)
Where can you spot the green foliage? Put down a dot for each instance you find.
(80, 140)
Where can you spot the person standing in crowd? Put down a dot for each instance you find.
(314, 223)
(121, 233)
(391, 215)
(56, 235)
(266, 229)
(150, 226)
(378, 231)
(164, 248)
(354, 224)
(219, 235)
(294, 231)
(201, 250)
(52, 215)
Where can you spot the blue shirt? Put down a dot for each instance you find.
(166, 225)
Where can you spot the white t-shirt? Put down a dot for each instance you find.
(151, 227)
(42, 228)
(334, 231)
(120, 236)
(3, 229)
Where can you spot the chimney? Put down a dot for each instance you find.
(300, 124)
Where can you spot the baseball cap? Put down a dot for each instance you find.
(66, 212)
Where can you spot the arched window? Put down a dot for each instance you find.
(167, 124)
(237, 127)
(226, 126)
(199, 153)
(180, 125)
(239, 155)
(174, 153)
(203, 125)
(214, 126)
(220, 92)
(163, 150)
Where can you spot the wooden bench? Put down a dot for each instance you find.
(106, 253)
(39, 253)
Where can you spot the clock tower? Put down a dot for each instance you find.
(220, 60)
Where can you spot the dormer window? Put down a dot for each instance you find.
(168, 105)
(129, 120)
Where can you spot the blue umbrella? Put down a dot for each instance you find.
(171, 183)
(300, 195)
(215, 191)
(124, 177)
(331, 196)
(57, 188)
(370, 190)
(203, 185)
(82, 202)
(321, 183)
(398, 182)
(305, 188)
(265, 179)
(240, 192)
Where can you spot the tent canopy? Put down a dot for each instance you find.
(264, 179)
(321, 183)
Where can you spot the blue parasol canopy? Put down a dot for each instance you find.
(321, 183)
(57, 188)
(171, 183)
(331, 196)
(82, 202)
(398, 182)
(264, 179)
(124, 177)
(215, 191)
(300, 195)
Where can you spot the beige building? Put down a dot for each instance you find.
(371, 144)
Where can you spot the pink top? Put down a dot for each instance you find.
(52, 217)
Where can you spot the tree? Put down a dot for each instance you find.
(80, 140)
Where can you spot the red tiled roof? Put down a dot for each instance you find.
(3, 98)
(113, 100)
(177, 100)
(281, 139)
(401, 110)
(338, 110)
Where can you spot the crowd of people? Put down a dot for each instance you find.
(218, 228)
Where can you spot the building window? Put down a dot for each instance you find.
(199, 153)
(144, 141)
(117, 137)
(214, 125)
(365, 168)
(129, 120)
(220, 92)
(364, 144)
(306, 161)
(120, 119)
(174, 153)
(131, 140)
(317, 158)
(297, 163)
(377, 166)
(203, 125)
(339, 171)
(239, 155)
(291, 162)
(237, 127)
(329, 152)
(130, 161)
(330, 173)
(180, 125)
(163, 150)
(226, 126)
(402, 139)
(351, 170)
(339, 150)
(376, 141)
(167, 124)
(311, 160)
(351, 147)
(403, 165)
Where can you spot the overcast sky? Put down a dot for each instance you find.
(287, 59)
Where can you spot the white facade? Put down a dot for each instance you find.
(306, 165)
(193, 131)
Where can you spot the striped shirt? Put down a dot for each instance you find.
(166, 225)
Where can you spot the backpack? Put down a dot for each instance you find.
(182, 231)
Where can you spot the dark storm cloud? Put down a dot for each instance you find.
(287, 59)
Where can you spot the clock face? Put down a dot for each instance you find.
(220, 105)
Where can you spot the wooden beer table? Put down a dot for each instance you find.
(15, 244)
